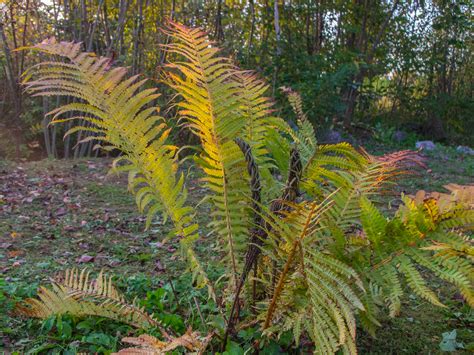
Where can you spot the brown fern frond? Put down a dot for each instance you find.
(148, 344)
(402, 157)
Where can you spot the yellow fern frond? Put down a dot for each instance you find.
(75, 294)
(211, 107)
(119, 111)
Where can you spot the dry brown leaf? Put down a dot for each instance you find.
(148, 344)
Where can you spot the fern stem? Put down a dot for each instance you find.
(286, 269)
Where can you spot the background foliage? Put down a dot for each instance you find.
(401, 65)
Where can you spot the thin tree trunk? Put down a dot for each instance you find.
(218, 32)
(14, 90)
(252, 28)
(44, 124)
(167, 39)
(94, 26)
(276, 17)
(352, 93)
(137, 35)
(84, 22)
(276, 21)
(23, 39)
(9, 67)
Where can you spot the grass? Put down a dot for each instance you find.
(54, 213)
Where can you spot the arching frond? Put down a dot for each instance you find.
(74, 293)
(120, 113)
(417, 237)
(332, 166)
(210, 103)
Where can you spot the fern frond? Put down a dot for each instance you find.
(306, 137)
(148, 344)
(120, 112)
(75, 294)
(373, 222)
(331, 297)
(255, 109)
(392, 287)
(418, 236)
(416, 281)
(332, 165)
(211, 106)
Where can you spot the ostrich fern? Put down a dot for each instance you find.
(322, 254)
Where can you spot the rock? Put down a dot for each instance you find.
(399, 136)
(333, 137)
(425, 145)
(464, 150)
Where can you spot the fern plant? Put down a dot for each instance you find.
(302, 216)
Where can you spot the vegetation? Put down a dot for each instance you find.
(301, 259)
(281, 207)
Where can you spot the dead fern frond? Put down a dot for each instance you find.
(148, 344)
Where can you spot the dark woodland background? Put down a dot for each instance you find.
(389, 70)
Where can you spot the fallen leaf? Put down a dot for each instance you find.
(15, 253)
(61, 212)
(85, 259)
(15, 235)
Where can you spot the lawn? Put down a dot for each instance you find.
(60, 214)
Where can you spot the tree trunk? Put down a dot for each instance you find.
(14, 90)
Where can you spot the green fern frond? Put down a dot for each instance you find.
(373, 222)
(306, 137)
(332, 165)
(416, 281)
(345, 211)
(453, 270)
(371, 300)
(417, 237)
(392, 288)
(75, 294)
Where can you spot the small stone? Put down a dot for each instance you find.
(464, 150)
(158, 266)
(425, 145)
